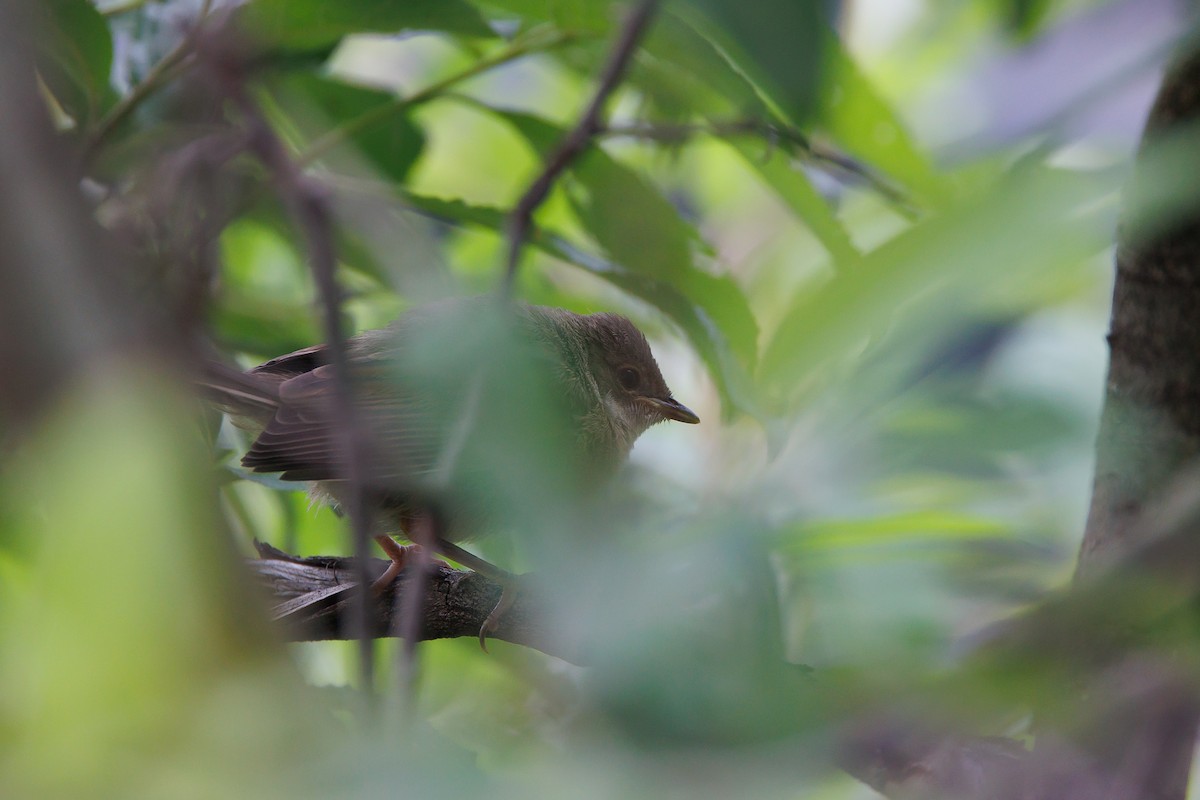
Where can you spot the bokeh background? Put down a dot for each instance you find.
(877, 264)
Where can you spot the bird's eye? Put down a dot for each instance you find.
(629, 378)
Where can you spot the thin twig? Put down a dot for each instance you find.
(774, 134)
(412, 611)
(155, 78)
(577, 139)
(307, 202)
(526, 45)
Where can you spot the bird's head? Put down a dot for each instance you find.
(628, 376)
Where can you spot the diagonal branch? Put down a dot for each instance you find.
(577, 140)
(159, 75)
(307, 202)
(791, 139)
(313, 600)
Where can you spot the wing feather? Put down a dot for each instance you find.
(300, 440)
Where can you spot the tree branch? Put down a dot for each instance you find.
(536, 40)
(1149, 433)
(792, 139)
(578, 138)
(158, 76)
(1102, 625)
(307, 202)
(313, 602)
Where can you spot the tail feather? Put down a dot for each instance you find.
(238, 393)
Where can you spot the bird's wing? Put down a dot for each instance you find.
(293, 364)
(303, 440)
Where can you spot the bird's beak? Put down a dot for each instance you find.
(671, 408)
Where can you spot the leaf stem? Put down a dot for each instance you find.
(155, 78)
(517, 49)
(577, 139)
(774, 134)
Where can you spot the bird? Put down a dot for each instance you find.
(466, 404)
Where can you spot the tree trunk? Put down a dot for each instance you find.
(1136, 719)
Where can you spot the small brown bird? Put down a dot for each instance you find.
(474, 414)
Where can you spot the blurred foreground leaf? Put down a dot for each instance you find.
(321, 104)
(643, 233)
(967, 258)
(691, 313)
(863, 123)
(315, 25)
(778, 45)
(128, 638)
(75, 56)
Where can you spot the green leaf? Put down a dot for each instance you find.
(75, 57)
(778, 45)
(682, 73)
(318, 25)
(792, 185)
(634, 224)
(576, 16)
(969, 435)
(1025, 17)
(968, 257)
(391, 148)
(863, 124)
(800, 72)
(911, 526)
(784, 61)
(704, 306)
(640, 230)
(626, 215)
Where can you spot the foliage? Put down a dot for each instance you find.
(898, 361)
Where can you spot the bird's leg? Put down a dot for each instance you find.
(398, 554)
(506, 579)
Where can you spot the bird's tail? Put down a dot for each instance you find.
(237, 393)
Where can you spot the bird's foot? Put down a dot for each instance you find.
(400, 555)
(508, 596)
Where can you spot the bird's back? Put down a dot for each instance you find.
(461, 407)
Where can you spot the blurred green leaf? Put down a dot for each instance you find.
(132, 644)
(913, 527)
(717, 607)
(682, 73)
(688, 306)
(1025, 17)
(783, 60)
(639, 229)
(575, 16)
(634, 224)
(317, 25)
(945, 263)
(75, 57)
(863, 124)
(265, 303)
(789, 181)
(778, 45)
(391, 148)
(974, 435)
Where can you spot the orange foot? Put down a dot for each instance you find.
(399, 554)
